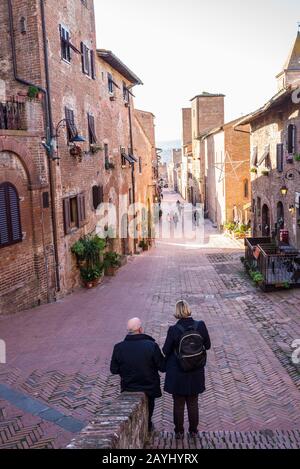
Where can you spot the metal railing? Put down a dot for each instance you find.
(276, 266)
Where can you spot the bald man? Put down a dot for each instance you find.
(138, 360)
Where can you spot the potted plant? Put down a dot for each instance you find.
(94, 148)
(91, 276)
(89, 252)
(76, 152)
(109, 165)
(33, 92)
(143, 245)
(253, 170)
(229, 227)
(265, 172)
(112, 261)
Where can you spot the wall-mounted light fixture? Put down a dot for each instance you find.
(283, 190)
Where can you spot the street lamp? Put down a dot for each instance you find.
(284, 190)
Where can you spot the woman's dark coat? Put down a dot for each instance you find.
(137, 360)
(177, 381)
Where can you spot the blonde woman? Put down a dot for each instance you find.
(185, 351)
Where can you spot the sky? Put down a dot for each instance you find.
(180, 48)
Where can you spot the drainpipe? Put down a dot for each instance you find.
(48, 120)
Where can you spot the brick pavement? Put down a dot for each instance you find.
(59, 354)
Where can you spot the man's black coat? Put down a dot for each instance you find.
(137, 360)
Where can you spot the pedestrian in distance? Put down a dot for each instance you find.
(185, 351)
(137, 360)
(175, 219)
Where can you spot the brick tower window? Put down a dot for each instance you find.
(10, 221)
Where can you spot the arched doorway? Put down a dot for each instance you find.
(265, 220)
(280, 216)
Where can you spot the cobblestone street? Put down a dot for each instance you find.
(57, 372)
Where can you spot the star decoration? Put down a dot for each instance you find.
(228, 161)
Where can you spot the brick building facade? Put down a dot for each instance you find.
(67, 129)
(227, 181)
(275, 155)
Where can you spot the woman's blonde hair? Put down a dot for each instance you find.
(182, 309)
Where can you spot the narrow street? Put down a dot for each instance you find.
(57, 372)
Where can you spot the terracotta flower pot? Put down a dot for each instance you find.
(111, 271)
(92, 283)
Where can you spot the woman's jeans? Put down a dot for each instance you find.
(178, 412)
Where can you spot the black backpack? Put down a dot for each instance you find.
(191, 353)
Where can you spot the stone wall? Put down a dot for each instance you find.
(122, 424)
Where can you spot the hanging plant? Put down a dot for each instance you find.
(265, 172)
(32, 92)
(89, 252)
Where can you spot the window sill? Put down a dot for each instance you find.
(65, 61)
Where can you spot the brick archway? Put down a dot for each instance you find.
(14, 146)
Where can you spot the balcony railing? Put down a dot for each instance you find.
(279, 265)
(12, 115)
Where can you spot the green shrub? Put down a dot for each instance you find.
(112, 259)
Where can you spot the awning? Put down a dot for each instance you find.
(254, 157)
(128, 158)
(264, 156)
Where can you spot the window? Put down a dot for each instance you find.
(106, 155)
(91, 127)
(97, 196)
(140, 165)
(85, 59)
(123, 158)
(10, 222)
(88, 61)
(74, 212)
(65, 43)
(70, 123)
(279, 157)
(246, 188)
(125, 93)
(84, 2)
(130, 196)
(291, 143)
(110, 83)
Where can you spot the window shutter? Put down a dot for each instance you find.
(294, 139)
(67, 215)
(93, 67)
(4, 231)
(279, 157)
(92, 133)
(291, 139)
(97, 196)
(14, 214)
(82, 57)
(68, 46)
(61, 41)
(10, 221)
(70, 122)
(81, 209)
(85, 59)
(254, 157)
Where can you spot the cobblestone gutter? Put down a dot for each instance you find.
(121, 424)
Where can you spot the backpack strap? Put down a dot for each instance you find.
(181, 328)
